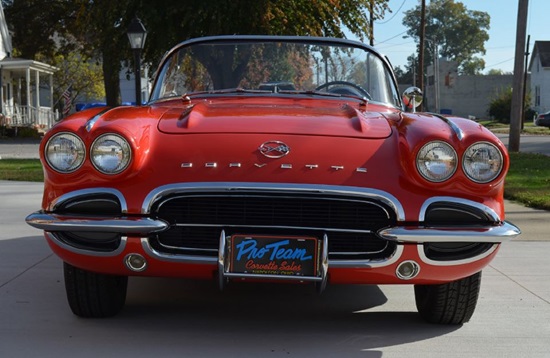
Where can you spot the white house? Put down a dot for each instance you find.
(26, 87)
(540, 76)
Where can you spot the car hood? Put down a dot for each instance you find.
(328, 118)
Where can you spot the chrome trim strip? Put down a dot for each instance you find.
(177, 258)
(184, 248)
(73, 194)
(469, 260)
(458, 131)
(215, 260)
(273, 277)
(323, 268)
(91, 122)
(221, 262)
(369, 263)
(483, 234)
(123, 225)
(278, 227)
(368, 193)
(437, 199)
(75, 250)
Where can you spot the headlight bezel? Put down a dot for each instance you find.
(80, 156)
(124, 162)
(421, 156)
(495, 174)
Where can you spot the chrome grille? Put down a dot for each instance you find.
(197, 219)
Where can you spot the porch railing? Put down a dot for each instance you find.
(41, 118)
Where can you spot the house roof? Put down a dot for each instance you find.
(21, 64)
(542, 48)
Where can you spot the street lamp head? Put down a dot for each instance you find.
(137, 34)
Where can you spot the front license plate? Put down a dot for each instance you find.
(274, 255)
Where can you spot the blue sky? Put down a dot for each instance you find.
(389, 32)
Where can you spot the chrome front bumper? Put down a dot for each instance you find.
(501, 232)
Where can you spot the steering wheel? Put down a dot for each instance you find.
(354, 90)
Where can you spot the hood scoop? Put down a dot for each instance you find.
(297, 118)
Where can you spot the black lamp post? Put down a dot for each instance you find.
(137, 35)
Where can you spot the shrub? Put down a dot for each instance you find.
(501, 106)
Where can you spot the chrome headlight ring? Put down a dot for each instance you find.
(482, 162)
(65, 152)
(110, 153)
(437, 161)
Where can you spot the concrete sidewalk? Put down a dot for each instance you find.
(181, 318)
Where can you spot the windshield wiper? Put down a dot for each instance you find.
(326, 94)
(226, 91)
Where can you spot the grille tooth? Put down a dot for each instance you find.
(197, 220)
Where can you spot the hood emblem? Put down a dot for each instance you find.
(274, 149)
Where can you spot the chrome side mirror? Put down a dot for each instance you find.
(412, 98)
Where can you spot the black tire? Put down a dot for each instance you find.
(94, 295)
(449, 303)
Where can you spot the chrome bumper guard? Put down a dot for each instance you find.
(484, 234)
(120, 225)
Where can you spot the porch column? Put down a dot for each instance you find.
(26, 116)
(51, 91)
(28, 83)
(1, 95)
(50, 117)
(37, 89)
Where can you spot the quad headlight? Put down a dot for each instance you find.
(65, 152)
(436, 161)
(110, 154)
(482, 162)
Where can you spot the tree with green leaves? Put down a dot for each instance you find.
(459, 33)
(100, 26)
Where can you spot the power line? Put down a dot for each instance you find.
(391, 38)
(499, 63)
(391, 18)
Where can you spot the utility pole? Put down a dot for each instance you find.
(516, 112)
(371, 23)
(525, 81)
(421, 49)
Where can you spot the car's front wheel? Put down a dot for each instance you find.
(449, 303)
(94, 295)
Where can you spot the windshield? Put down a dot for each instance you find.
(276, 66)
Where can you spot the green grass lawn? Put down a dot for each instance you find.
(21, 170)
(528, 128)
(527, 182)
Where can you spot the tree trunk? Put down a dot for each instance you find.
(111, 69)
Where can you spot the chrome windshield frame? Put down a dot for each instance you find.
(244, 39)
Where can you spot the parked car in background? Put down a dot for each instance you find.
(274, 159)
(543, 119)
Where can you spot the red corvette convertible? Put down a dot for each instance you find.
(288, 159)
